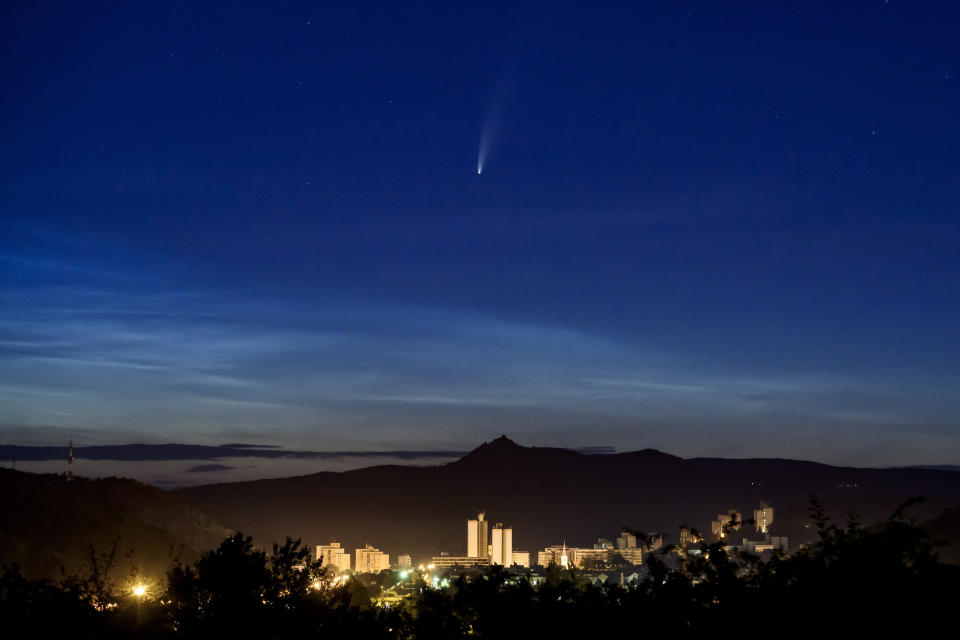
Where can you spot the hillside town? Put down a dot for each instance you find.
(618, 560)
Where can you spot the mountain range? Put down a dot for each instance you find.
(551, 495)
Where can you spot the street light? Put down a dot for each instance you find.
(139, 590)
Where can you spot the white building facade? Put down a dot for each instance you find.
(371, 560)
(502, 546)
(477, 537)
(334, 556)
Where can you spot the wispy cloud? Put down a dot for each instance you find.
(203, 365)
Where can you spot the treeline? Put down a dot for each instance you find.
(852, 580)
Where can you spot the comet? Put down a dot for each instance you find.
(485, 138)
(491, 125)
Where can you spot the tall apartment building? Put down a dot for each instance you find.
(404, 561)
(502, 546)
(763, 517)
(477, 537)
(371, 560)
(334, 556)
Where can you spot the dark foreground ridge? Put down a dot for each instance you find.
(549, 495)
(47, 523)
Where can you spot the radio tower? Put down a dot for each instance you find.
(70, 461)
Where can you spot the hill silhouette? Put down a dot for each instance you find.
(47, 522)
(549, 495)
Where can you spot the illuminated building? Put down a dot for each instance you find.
(334, 556)
(521, 558)
(571, 556)
(654, 542)
(630, 556)
(626, 540)
(763, 517)
(725, 523)
(371, 560)
(404, 561)
(477, 537)
(688, 537)
(775, 543)
(552, 555)
(446, 562)
(502, 546)
(579, 557)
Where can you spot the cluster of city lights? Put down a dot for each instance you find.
(317, 584)
(425, 573)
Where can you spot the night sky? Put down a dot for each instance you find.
(727, 229)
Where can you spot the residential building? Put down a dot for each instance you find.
(404, 561)
(689, 537)
(654, 542)
(477, 545)
(626, 540)
(726, 523)
(334, 556)
(580, 557)
(630, 556)
(763, 517)
(446, 562)
(780, 543)
(571, 556)
(371, 560)
(502, 546)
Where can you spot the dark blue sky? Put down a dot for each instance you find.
(713, 228)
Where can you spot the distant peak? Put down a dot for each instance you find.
(652, 454)
(504, 451)
(496, 449)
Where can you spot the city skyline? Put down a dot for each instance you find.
(628, 549)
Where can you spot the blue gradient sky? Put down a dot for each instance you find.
(709, 229)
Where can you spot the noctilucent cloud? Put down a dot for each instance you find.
(715, 230)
